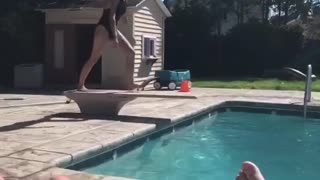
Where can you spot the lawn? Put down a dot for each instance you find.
(248, 83)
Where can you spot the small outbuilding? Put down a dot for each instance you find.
(69, 39)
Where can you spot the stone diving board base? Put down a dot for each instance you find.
(110, 102)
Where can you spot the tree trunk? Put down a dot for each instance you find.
(279, 12)
(267, 6)
(219, 25)
(286, 11)
(165, 2)
(242, 12)
(185, 3)
(263, 9)
(237, 11)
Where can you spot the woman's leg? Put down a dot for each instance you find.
(130, 53)
(100, 41)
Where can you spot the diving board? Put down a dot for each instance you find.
(110, 102)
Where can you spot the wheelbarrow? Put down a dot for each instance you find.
(171, 78)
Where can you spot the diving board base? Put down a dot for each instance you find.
(110, 102)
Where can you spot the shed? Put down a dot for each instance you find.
(69, 38)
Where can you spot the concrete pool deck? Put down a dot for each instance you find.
(41, 135)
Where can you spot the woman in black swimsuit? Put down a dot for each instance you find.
(106, 32)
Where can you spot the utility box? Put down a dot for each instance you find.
(28, 76)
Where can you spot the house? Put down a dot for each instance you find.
(69, 38)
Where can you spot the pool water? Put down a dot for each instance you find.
(284, 147)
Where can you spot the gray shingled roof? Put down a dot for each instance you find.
(54, 4)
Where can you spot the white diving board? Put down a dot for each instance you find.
(110, 102)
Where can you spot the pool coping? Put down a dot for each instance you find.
(186, 120)
(163, 126)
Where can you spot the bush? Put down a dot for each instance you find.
(252, 48)
(246, 50)
(22, 41)
(309, 55)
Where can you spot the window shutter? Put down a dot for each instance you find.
(152, 47)
(147, 47)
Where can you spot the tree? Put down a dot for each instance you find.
(242, 8)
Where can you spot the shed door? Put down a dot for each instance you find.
(61, 54)
(58, 48)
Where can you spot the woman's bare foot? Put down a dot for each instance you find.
(82, 88)
(250, 171)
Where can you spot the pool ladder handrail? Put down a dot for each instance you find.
(307, 91)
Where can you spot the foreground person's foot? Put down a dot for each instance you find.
(250, 171)
(60, 178)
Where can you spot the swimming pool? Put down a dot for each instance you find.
(283, 146)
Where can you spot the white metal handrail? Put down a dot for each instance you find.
(307, 91)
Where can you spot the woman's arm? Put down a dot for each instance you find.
(113, 7)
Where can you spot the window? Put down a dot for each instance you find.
(59, 49)
(149, 47)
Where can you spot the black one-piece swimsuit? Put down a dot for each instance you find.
(105, 18)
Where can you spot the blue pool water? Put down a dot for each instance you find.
(284, 147)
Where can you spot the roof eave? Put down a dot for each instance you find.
(75, 9)
(163, 8)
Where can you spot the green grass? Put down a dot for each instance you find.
(248, 83)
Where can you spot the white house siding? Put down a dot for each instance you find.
(148, 21)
